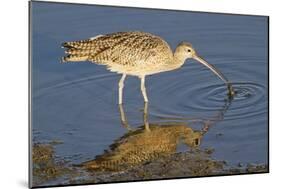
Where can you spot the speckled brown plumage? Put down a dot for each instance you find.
(134, 53)
(140, 146)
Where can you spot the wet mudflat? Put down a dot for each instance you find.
(50, 169)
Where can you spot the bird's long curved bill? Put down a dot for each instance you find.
(211, 67)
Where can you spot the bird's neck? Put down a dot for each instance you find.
(178, 59)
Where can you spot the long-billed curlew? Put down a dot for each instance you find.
(134, 53)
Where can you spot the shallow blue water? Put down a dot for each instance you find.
(77, 103)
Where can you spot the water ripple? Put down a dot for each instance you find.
(249, 100)
(89, 80)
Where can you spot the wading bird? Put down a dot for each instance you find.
(136, 54)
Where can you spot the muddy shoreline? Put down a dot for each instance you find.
(50, 170)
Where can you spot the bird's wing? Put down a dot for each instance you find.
(124, 48)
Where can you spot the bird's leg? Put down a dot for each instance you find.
(121, 86)
(145, 117)
(143, 89)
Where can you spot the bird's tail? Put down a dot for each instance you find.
(76, 51)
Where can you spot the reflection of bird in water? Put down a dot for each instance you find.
(134, 53)
(147, 143)
(139, 146)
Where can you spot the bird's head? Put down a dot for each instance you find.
(185, 51)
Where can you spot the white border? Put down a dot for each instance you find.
(14, 140)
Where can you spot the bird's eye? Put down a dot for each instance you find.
(188, 50)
